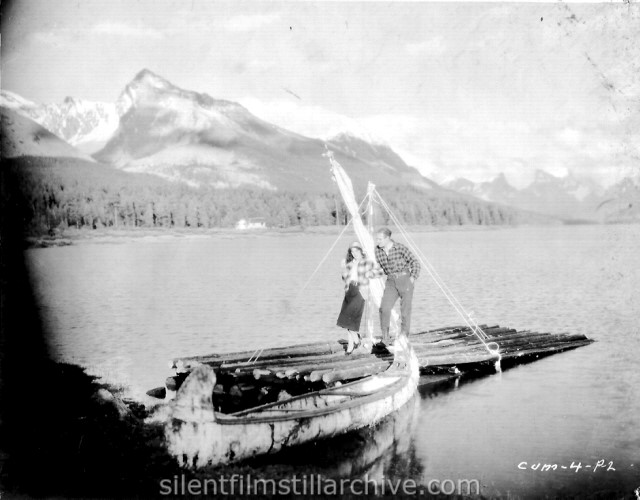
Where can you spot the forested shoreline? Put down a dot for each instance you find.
(52, 194)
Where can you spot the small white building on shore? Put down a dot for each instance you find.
(255, 223)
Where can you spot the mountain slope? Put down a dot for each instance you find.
(192, 137)
(22, 136)
(84, 124)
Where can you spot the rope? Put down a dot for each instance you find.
(326, 255)
(259, 354)
(475, 328)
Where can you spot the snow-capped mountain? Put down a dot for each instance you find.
(84, 124)
(567, 197)
(188, 136)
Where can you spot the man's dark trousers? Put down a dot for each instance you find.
(398, 285)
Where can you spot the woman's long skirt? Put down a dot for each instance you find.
(352, 309)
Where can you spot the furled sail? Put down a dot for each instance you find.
(376, 287)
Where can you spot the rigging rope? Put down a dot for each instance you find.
(326, 255)
(468, 319)
(257, 354)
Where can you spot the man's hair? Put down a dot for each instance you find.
(386, 231)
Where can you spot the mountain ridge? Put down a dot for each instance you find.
(568, 197)
(180, 135)
(183, 134)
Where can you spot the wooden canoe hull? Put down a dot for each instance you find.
(197, 436)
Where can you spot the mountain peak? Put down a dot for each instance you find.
(149, 78)
(148, 88)
(461, 184)
(500, 180)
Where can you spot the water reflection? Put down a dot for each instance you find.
(384, 450)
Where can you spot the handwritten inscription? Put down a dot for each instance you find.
(600, 465)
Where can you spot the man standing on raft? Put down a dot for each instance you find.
(402, 270)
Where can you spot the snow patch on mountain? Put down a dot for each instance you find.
(84, 124)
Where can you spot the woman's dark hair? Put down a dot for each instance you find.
(350, 255)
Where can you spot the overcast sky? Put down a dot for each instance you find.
(457, 89)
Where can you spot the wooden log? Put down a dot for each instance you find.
(447, 344)
(449, 333)
(278, 367)
(546, 350)
(283, 362)
(458, 338)
(434, 357)
(459, 359)
(537, 341)
(315, 375)
(285, 359)
(541, 345)
(438, 330)
(530, 335)
(265, 354)
(515, 339)
(445, 336)
(306, 367)
(355, 372)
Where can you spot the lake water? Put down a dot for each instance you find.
(125, 309)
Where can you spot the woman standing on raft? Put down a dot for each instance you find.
(357, 270)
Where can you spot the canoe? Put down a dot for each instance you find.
(198, 436)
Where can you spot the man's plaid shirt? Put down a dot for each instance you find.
(399, 259)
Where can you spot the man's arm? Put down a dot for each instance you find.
(378, 270)
(413, 262)
(374, 270)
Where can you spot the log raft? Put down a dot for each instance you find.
(262, 374)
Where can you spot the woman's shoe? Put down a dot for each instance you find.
(359, 342)
(350, 345)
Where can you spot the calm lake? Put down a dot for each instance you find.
(126, 309)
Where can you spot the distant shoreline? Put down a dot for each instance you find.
(125, 235)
